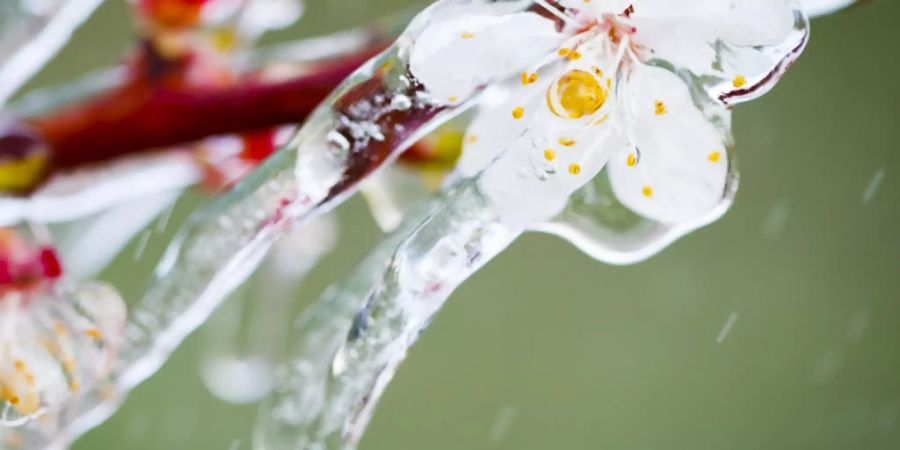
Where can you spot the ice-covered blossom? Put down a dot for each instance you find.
(640, 93)
(55, 338)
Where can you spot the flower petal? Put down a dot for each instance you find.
(736, 54)
(821, 7)
(460, 52)
(677, 169)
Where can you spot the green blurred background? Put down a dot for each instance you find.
(548, 349)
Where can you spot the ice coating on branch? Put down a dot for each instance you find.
(602, 101)
(31, 33)
(245, 338)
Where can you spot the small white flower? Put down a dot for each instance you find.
(640, 89)
(54, 339)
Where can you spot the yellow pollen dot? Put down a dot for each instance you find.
(14, 400)
(659, 108)
(468, 35)
(518, 113)
(73, 386)
(714, 156)
(549, 155)
(576, 94)
(529, 78)
(93, 333)
(632, 160)
(574, 55)
(453, 98)
(566, 142)
(564, 51)
(574, 169)
(19, 364)
(597, 71)
(472, 139)
(739, 81)
(647, 191)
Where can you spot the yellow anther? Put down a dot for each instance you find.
(564, 51)
(93, 333)
(659, 108)
(739, 81)
(576, 94)
(574, 169)
(566, 142)
(19, 365)
(714, 156)
(632, 160)
(468, 35)
(647, 191)
(471, 139)
(597, 71)
(549, 154)
(518, 112)
(574, 55)
(453, 99)
(529, 78)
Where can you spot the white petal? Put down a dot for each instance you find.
(822, 7)
(740, 53)
(677, 169)
(646, 8)
(456, 55)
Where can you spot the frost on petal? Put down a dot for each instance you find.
(460, 51)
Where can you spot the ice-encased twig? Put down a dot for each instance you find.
(245, 339)
(352, 341)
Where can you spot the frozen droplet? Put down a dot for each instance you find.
(338, 140)
(401, 103)
(237, 381)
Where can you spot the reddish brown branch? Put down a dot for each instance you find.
(144, 115)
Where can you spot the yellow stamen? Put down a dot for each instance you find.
(529, 78)
(632, 160)
(574, 169)
(714, 156)
(566, 142)
(739, 81)
(647, 191)
(549, 154)
(659, 108)
(93, 333)
(518, 113)
(468, 35)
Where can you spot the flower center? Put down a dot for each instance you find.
(576, 94)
